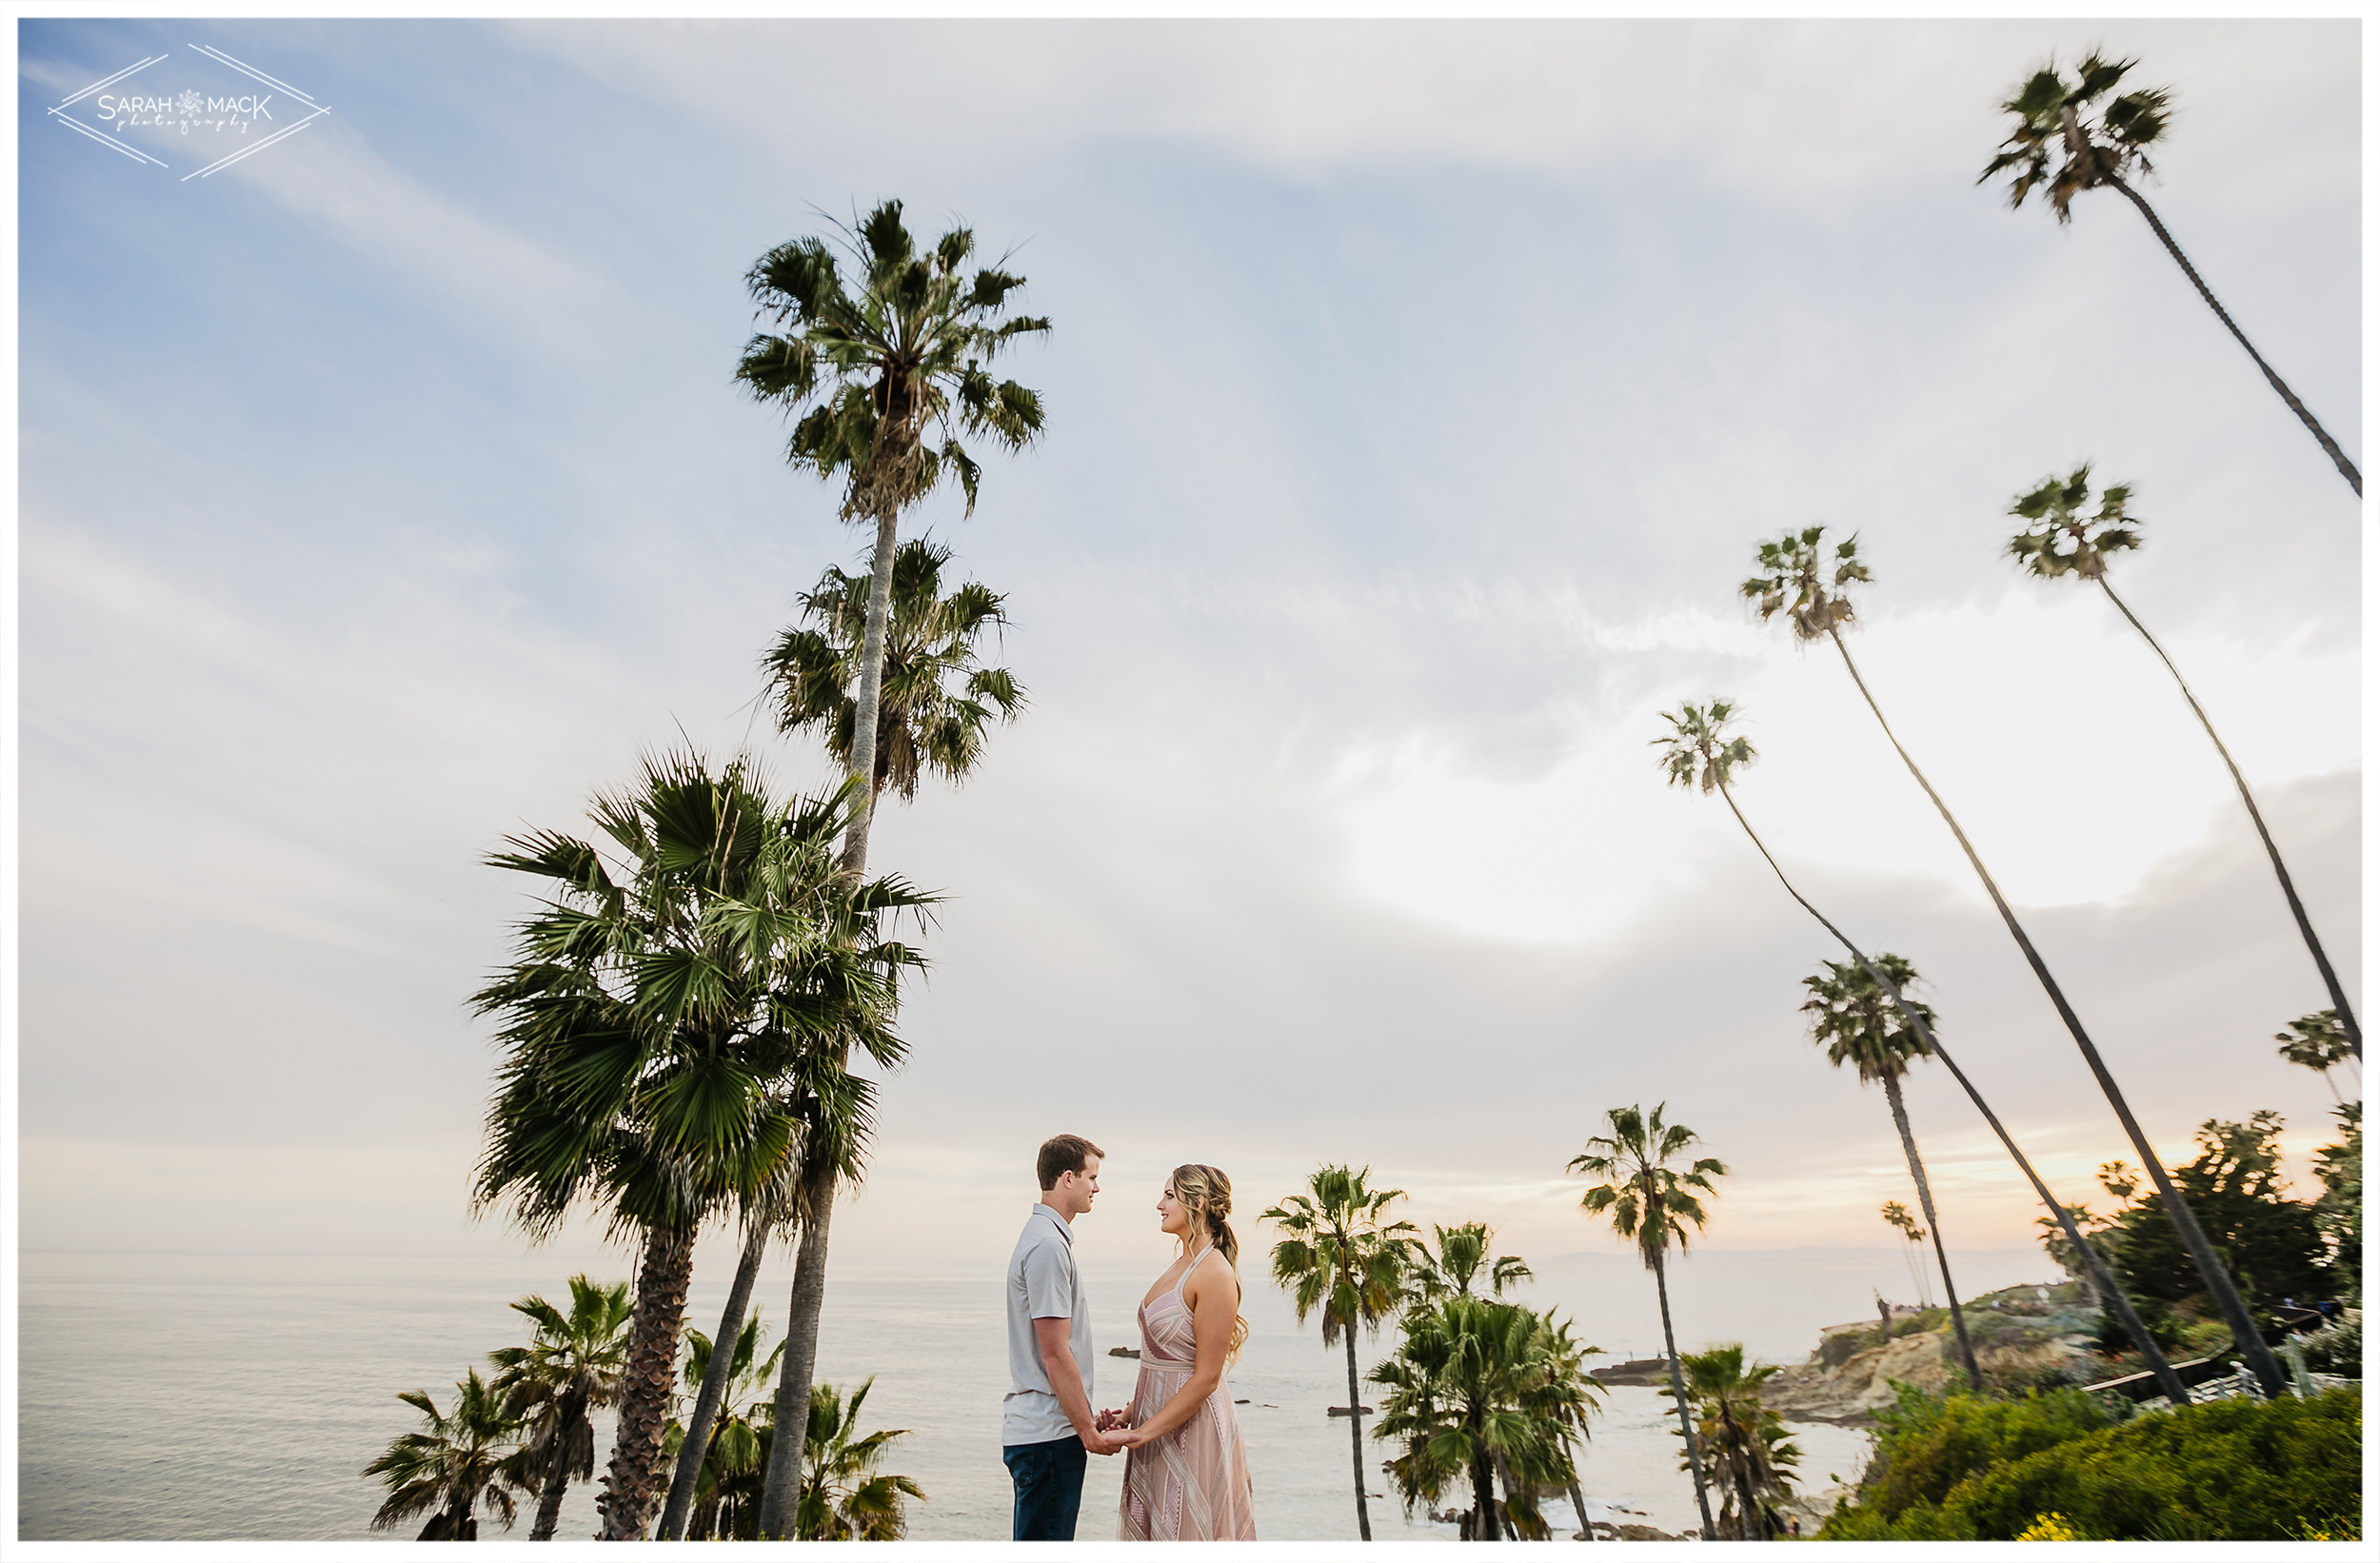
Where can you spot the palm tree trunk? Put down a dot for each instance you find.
(1934, 1226)
(568, 1412)
(2322, 436)
(1578, 1501)
(636, 1451)
(1354, 1431)
(781, 1494)
(1678, 1389)
(2211, 1269)
(1487, 1522)
(1749, 1525)
(2280, 870)
(714, 1390)
(2168, 1381)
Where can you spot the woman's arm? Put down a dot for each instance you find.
(1212, 1292)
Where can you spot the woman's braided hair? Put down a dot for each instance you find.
(1205, 1193)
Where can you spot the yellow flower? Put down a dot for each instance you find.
(2050, 1527)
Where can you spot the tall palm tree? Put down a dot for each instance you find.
(937, 700)
(878, 367)
(569, 1370)
(1743, 1440)
(1568, 1399)
(1896, 1216)
(2317, 1041)
(1651, 1200)
(2069, 538)
(1468, 1389)
(1798, 579)
(663, 1015)
(843, 1496)
(1855, 1019)
(1698, 754)
(1341, 1253)
(2048, 111)
(459, 1460)
(727, 1502)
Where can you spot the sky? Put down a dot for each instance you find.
(1417, 394)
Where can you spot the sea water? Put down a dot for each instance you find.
(229, 1397)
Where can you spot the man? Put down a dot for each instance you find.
(1047, 1429)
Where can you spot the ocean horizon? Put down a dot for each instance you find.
(225, 1397)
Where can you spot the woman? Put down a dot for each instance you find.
(1186, 1470)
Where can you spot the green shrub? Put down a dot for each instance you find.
(2233, 1470)
(2338, 1347)
(1926, 1447)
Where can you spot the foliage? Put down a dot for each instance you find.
(1340, 1253)
(2339, 1213)
(1460, 1258)
(2337, 1348)
(2237, 1469)
(1858, 1022)
(1697, 753)
(2069, 541)
(843, 1496)
(728, 1495)
(1648, 1199)
(2235, 1188)
(1747, 1455)
(2049, 1528)
(2050, 122)
(877, 366)
(572, 1367)
(1794, 567)
(937, 700)
(459, 1460)
(1477, 1384)
(1926, 1445)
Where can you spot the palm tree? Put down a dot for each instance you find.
(1744, 1441)
(1459, 1259)
(727, 1503)
(2317, 1041)
(1699, 754)
(877, 372)
(1651, 1202)
(843, 1496)
(661, 1023)
(2048, 112)
(1470, 1387)
(1341, 1255)
(457, 1460)
(1853, 1018)
(1795, 569)
(1568, 1400)
(572, 1368)
(1896, 1216)
(937, 702)
(2068, 541)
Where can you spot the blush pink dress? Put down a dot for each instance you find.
(1193, 1483)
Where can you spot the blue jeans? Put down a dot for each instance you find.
(1049, 1487)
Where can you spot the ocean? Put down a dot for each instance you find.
(223, 1397)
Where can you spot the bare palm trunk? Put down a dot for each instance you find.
(568, 1413)
(1578, 1501)
(636, 1451)
(1678, 1389)
(1934, 1226)
(780, 1494)
(2322, 436)
(2210, 1267)
(1749, 1525)
(714, 1390)
(1354, 1431)
(2101, 1281)
(2280, 870)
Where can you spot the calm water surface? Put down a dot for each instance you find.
(227, 1396)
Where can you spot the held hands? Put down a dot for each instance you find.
(1109, 1435)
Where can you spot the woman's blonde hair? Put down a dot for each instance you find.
(1205, 1193)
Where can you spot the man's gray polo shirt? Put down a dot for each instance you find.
(1042, 1283)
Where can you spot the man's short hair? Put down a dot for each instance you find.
(1061, 1154)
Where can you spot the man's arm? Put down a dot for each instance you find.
(1065, 1380)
